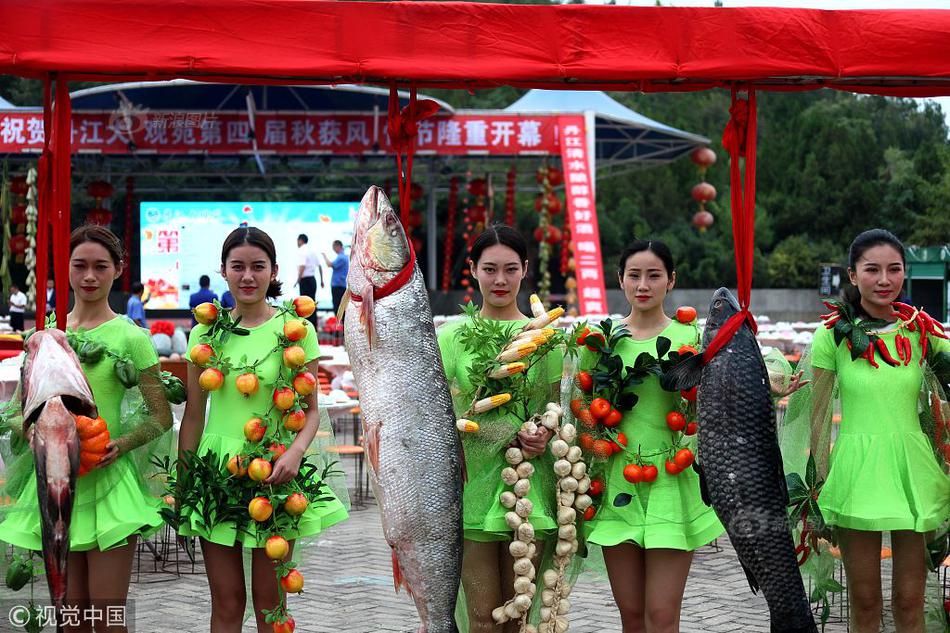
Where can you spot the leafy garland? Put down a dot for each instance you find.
(608, 392)
(237, 494)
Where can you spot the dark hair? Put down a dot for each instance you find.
(137, 287)
(100, 235)
(861, 244)
(204, 281)
(656, 247)
(499, 234)
(255, 237)
(338, 243)
(303, 238)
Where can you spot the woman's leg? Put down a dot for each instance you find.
(77, 589)
(481, 580)
(264, 585)
(109, 574)
(665, 576)
(909, 581)
(626, 564)
(224, 566)
(861, 553)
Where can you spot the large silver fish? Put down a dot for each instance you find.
(54, 390)
(741, 472)
(411, 441)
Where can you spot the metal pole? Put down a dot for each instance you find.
(431, 232)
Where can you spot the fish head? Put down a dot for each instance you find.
(722, 306)
(380, 246)
(51, 370)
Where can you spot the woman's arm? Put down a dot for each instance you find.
(192, 422)
(288, 464)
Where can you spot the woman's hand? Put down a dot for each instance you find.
(286, 467)
(794, 384)
(533, 444)
(112, 454)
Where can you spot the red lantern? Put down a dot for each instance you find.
(18, 246)
(478, 187)
(555, 176)
(553, 234)
(704, 192)
(476, 213)
(99, 189)
(703, 157)
(99, 216)
(18, 186)
(18, 214)
(702, 220)
(416, 192)
(554, 203)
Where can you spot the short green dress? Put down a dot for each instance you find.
(666, 513)
(483, 516)
(883, 475)
(111, 503)
(223, 434)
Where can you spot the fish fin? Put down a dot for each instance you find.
(684, 375)
(367, 314)
(703, 484)
(398, 578)
(753, 583)
(344, 301)
(371, 444)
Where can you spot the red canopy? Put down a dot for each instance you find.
(479, 45)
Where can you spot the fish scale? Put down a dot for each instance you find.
(409, 427)
(741, 465)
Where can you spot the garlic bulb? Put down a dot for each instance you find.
(498, 615)
(513, 520)
(525, 469)
(562, 468)
(567, 532)
(518, 549)
(565, 516)
(523, 566)
(509, 476)
(523, 585)
(547, 597)
(525, 533)
(559, 448)
(524, 507)
(579, 470)
(574, 454)
(568, 433)
(582, 502)
(568, 484)
(508, 499)
(566, 498)
(550, 578)
(583, 485)
(556, 408)
(522, 487)
(514, 456)
(522, 602)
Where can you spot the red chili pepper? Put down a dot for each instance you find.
(885, 353)
(903, 308)
(909, 351)
(830, 306)
(848, 341)
(899, 344)
(831, 322)
(924, 343)
(827, 316)
(869, 355)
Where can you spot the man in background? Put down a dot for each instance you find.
(135, 308)
(307, 267)
(204, 295)
(17, 308)
(50, 296)
(341, 267)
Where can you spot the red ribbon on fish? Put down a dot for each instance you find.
(371, 294)
(403, 127)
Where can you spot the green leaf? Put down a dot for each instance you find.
(663, 345)
(859, 341)
(797, 492)
(627, 400)
(811, 472)
(622, 499)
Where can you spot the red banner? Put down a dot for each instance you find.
(582, 215)
(122, 132)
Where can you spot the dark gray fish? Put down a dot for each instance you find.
(54, 389)
(741, 472)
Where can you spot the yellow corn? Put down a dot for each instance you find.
(537, 308)
(545, 319)
(507, 370)
(466, 426)
(516, 351)
(530, 335)
(492, 402)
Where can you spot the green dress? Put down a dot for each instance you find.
(223, 434)
(883, 475)
(668, 512)
(483, 516)
(110, 503)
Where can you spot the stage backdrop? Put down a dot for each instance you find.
(182, 241)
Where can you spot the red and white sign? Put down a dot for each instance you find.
(230, 133)
(582, 216)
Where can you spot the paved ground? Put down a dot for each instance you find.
(349, 590)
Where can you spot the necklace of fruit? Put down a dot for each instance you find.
(608, 391)
(503, 358)
(863, 338)
(275, 509)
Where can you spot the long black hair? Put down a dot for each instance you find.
(499, 234)
(658, 248)
(861, 244)
(255, 237)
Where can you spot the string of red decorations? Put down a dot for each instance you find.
(99, 190)
(450, 234)
(703, 191)
(510, 196)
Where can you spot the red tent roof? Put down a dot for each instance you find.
(450, 44)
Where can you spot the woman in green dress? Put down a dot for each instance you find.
(648, 543)
(499, 262)
(247, 417)
(883, 475)
(112, 506)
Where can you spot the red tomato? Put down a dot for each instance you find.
(594, 347)
(622, 439)
(599, 408)
(691, 428)
(612, 418)
(686, 314)
(589, 513)
(596, 487)
(649, 473)
(687, 349)
(582, 336)
(672, 468)
(689, 394)
(683, 458)
(633, 473)
(585, 381)
(676, 421)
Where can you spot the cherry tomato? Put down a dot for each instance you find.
(649, 473)
(633, 473)
(683, 458)
(689, 394)
(595, 347)
(676, 421)
(599, 408)
(612, 418)
(691, 428)
(687, 349)
(585, 381)
(686, 314)
(672, 468)
(596, 487)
